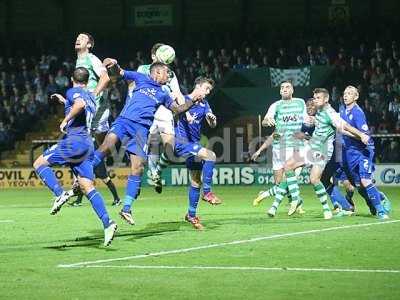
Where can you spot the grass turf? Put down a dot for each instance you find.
(34, 243)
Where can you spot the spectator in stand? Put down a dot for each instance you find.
(360, 65)
(115, 96)
(210, 55)
(384, 124)
(335, 97)
(284, 58)
(31, 106)
(253, 64)
(198, 57)
(2, 64)
(264, 62)
(247, 55)
(371, 116)
(322, 57)
(380, 76)
(44, 64)
(139, 60)
(310, 57)
(223, 58)
(239, 64)
(10, 66)
(51, 88)
(362, 52)
(235, 55)
(340, 60)
(278, 63)
(217, 75)
(62, 81)
(4, 137)
(396, 86)
(41, 97)
(261, 52)
(394, 107)
(184, 86)
(391, 153)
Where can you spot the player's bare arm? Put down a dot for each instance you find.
(179, 99)
(269, 119)
(58, 97)
(178, 109)
(267, 143)
(354, 132)
(102, 84)
(77, 107)
(300, 135)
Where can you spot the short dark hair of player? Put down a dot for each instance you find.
(155, 47)
(81, 75)
(322, 91)
(202, 79)
(91, 39)
(156, 65)
(287, 81)
(310, 107)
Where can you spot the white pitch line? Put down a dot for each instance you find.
(246, 268)
(7, 221)
(185, 250)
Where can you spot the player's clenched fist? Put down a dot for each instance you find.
(109, 62)
(113, 69)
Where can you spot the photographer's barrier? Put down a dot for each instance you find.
(237, 174)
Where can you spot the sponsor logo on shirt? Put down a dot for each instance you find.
(292, 118)
(150, 92)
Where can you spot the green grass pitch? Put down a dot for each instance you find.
(330, 263)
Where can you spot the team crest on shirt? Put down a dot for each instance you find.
(351, 117)
(76, 95)
(195, 116)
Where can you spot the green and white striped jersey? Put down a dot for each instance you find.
(326, 122)
(289, 115)
(93, 64)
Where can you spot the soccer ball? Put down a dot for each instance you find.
(165, 54)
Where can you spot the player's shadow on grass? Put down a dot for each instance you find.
(95, 239)
(252, 219)
(96, 243)
(152, 229)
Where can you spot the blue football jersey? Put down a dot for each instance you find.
(143, 102)
(191, 132)
(356, 118)
(81, 123)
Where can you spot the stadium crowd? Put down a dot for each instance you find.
(26, 83)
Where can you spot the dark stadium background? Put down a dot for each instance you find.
(242, 253)
(209, 37)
